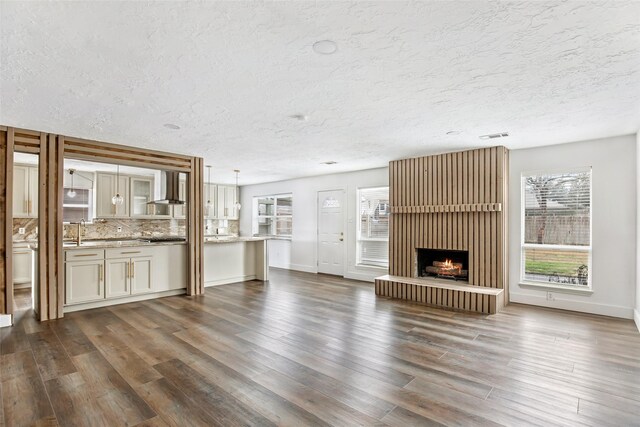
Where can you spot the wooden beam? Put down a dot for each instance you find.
(6, 220)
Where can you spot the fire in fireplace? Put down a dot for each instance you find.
(444, 264)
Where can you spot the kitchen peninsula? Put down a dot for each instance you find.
(229, 259)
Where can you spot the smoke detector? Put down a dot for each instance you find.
(494, 135)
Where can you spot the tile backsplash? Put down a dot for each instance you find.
(131, 228)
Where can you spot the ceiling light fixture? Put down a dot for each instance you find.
(117, 199)
(454, 132)
(330, 162)
(238, 205)
(171, 126)
(72, 192)
(494, 135)
(209, 204)
(325, 47)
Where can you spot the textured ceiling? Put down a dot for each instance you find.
(230, 75)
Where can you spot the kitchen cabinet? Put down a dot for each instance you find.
(143, 192)
(22, 265)
(128, 276)
(25, 191)
(106, 188)
(226, 202)
(84, 281)
(210, 196)
(117, 278)
(122, 273)
(180, 211)
(140, 275)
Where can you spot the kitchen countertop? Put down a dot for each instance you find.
(88, 244)
(231, 239)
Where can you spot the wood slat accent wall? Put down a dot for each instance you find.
(102, 151)
(6, 222)
(50, 236)
(195, 284)
(455, 201)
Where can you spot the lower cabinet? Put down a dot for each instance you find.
(84, 281)
(129, 276)
(119, 273)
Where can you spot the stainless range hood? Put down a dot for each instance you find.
(172, 185)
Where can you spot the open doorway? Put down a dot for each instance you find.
(25, 230)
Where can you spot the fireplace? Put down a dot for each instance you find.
(444, 264)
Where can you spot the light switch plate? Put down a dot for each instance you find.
(22, 230)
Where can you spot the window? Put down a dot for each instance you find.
(373, 227)
(273, 215)
(556, 235)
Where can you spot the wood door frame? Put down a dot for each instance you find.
(52, 150)
(344, 227)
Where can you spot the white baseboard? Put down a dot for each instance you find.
(228, 280)
(301, 267)
(364, 277)
(5, 320)
(636, 318)
(583, 307)
(116, 301)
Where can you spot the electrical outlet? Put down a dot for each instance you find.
(119, 230)
(550, 296)
(22, 230)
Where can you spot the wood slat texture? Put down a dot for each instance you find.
(298, 352)
(52, 150)
(453, 201)
(50, 262)
(6, 221)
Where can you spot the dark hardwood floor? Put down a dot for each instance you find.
(317, 350)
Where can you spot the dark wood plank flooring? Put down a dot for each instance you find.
(317, 350)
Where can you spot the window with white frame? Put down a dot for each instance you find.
(556, 228)
(373, 227)
(273, 215)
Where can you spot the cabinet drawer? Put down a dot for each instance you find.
(84, 254)
(130, 252)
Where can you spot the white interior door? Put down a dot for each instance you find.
(331, 232)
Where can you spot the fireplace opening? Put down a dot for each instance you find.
(444, 264)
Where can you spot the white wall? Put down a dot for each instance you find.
(636, 313)
(614, 223)
(300, 253)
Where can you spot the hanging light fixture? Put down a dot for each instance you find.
(72, 191)
(209, 204)
(238, 205)
(117, 199)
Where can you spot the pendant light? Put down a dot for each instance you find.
(209, 204)
(117, 199)
(72, 192)
(238, 205)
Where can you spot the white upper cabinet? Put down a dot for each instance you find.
(180, 211)
(106, 188)
(25, 191)
(226, 202)
(210, 198)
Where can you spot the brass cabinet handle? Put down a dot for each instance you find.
(127, 272)
(100, 273)
(79, 255)
(130, 252)
(133, 271)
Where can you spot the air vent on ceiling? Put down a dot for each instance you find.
(494, 135)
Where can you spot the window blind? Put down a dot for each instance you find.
(373, 226)
(557, 227)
